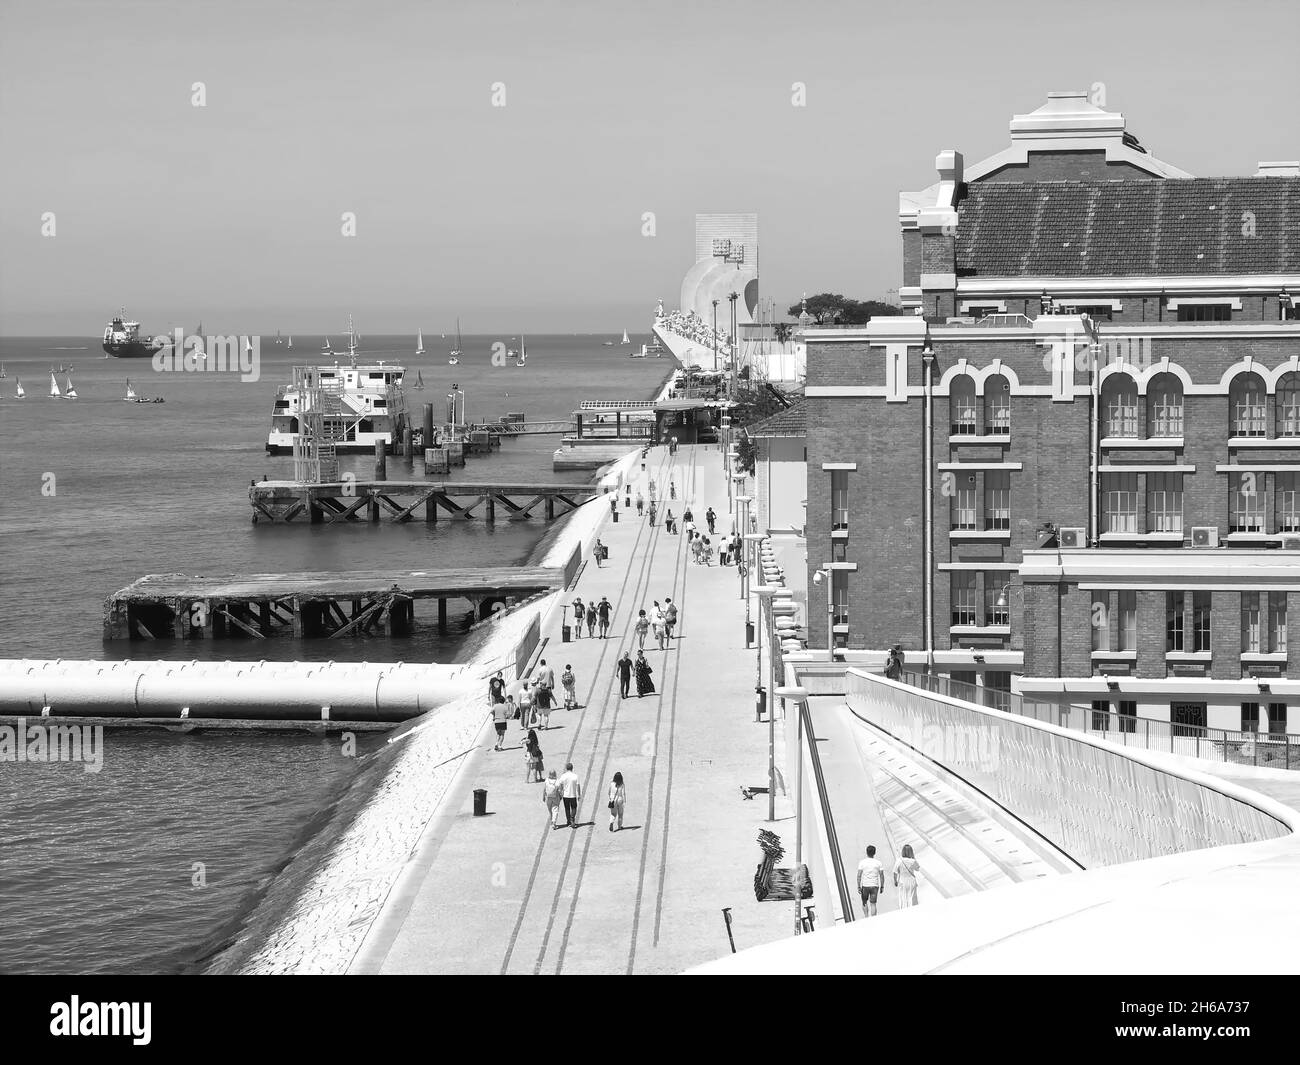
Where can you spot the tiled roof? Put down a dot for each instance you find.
(1129, 228)
(793, 421)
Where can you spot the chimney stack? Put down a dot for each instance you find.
(1278, 169)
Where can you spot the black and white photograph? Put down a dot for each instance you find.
(704, 488)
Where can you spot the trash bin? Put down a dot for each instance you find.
(760, 700)
(480, 802)
(615, 513)
(566, 633)
(749, 633)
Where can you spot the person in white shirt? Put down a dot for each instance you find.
(871, 881)
(617, 797)
(570, 792)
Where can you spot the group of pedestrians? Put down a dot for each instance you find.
(871, 879)
(593, 615)
(533, 707)
(661, 620)
(566, 790)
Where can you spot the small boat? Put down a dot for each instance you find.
(512, 353)
(54, 387)
(419, 380)
(625, 339)
(2, 370)
(130, 396)
(609, 343)
(278, 339)
(453, 361)
(455, 353)
(419, 342)
(68, 391)
(18, 391)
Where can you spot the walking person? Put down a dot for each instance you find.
(496, 690)
(551, 796)
(617, 797)
(579, 615)
(641, 627)
(672, 489)
(652, 513)
(532, 758)
(501, 715)
(624, 669)
(613, 506)
(640, 503)
(570, 683)
(710, 517)
(524, 711)
(657, 623)
(603, 610)
(894, 663)
(545, 675)
(871, 881)
(591, 622)
(670, 617)
(599, 552)
(906, 870)
(670, 523)
(543, 700)
(644, 685)
(570, 792)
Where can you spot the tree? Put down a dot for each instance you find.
(830, 308)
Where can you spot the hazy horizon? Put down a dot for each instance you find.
(528, 217)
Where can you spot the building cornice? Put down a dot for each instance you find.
(1063, 288)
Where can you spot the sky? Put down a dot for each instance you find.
(530, 216)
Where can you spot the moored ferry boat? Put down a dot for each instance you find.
(359, 402)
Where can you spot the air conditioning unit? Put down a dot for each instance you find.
(1205, 536)
(1073, 537)
(1291, 543)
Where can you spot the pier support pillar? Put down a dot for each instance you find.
(550, 508)
(431, 510)
(491, 507)
(296, 606)
(442, 616)
(264, 618)
(428, 426)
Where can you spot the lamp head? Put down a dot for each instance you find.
(817, 577)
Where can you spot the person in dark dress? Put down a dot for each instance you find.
(644, 685)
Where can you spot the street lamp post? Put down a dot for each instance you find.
(731, 377)
(715, 335)
(799, 697)
(820, 575)
(751, 547)
(766, 594)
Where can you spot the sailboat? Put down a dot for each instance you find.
(454, 359)
(419, 380)
(523, 351)
(2, 370)
(326, 345)
(54, 387)
(18, 392)
(625, 338)
(130, 396)
(278, 338)
(68, 391)
(291, 342)
(419, 342)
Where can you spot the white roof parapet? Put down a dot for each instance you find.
(1178, 567)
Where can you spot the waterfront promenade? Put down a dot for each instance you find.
(506, 894)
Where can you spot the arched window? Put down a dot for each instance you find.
(1246, 405)
(1165, 406)
(997, 406)
(1119, 406)
(1288, 405)
(963, 406)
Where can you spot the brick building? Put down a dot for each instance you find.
(1075, 470)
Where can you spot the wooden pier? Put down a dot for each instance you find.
(305, 605)
(355, 500)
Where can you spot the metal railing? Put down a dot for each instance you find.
(1268, 749)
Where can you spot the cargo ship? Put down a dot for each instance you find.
(122, 340)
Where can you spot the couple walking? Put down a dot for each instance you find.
(661, 620)
(626, 669)
(871, 879)
(567, 789)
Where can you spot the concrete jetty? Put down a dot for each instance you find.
(505, 893)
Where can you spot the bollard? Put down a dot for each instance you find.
(408, 447)
(480, 802)
(381, 461)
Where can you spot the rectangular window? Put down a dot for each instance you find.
(840, 596)
(1165, 502)
(1098, 312)
(1250, 623)
(1127, 719)
(1277, 719)
(997, 499)
(997, 689)
(839, 551)
(1250, 717)
(1100, 715)
(997, 606)
(1205, 312)
(1100, 621)
(839, 499)
(1277, 623)
(963, 598)
(1166, 403)
(1287, 492)
(1120, 491)
(1173, 621)
(1128, 610)
(963, 503)
(1245, 504)
(1201, 620)
(1288, 407)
